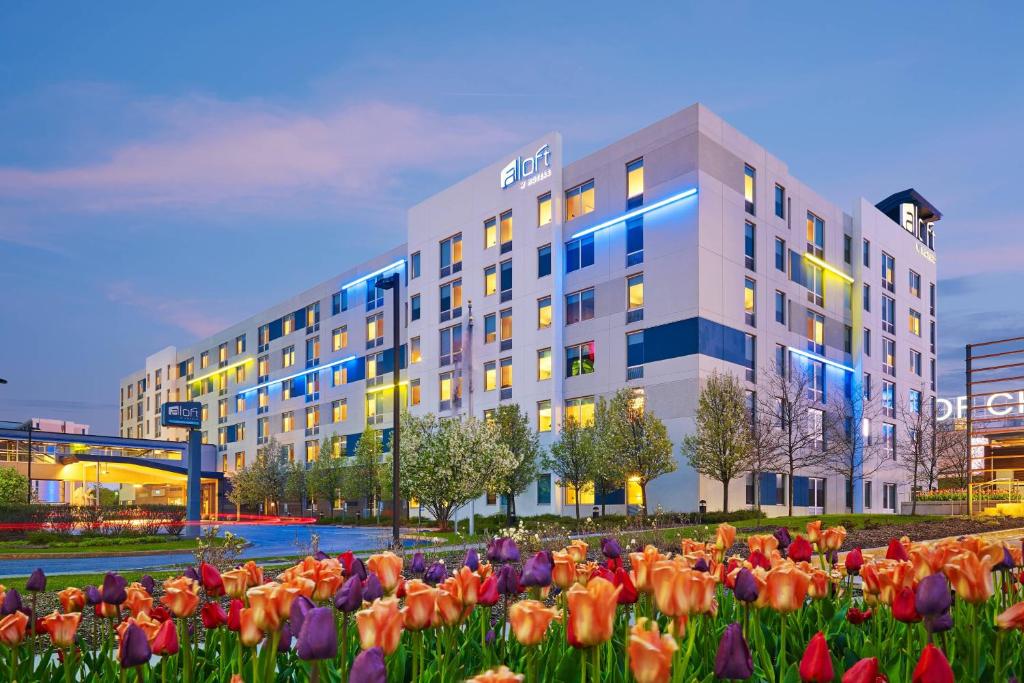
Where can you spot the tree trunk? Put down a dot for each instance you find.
(577, 505)
(643, 495)
(757, 490)
(789, 486)
(725, 496)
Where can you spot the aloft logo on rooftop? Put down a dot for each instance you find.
(527, 171)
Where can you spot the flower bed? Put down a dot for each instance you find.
(789, 610)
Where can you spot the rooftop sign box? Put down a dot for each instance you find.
(182, 414)
(527, 171)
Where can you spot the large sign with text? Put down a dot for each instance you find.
(527, 170)
(182, 414)
(1002, 404)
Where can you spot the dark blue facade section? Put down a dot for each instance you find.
(767, 489)
(694, 335)
(800, 497)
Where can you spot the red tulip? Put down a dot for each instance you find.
(488, 594)
(903, 608)
(212, 582)
(759, 559)
(896, 551)
(213, 615)
(865, 671)
(816, 664)
(854, 561)
(629, 594)
(346, 561)
(932, 667)
(235, 615)
(166, 640)
(800, 550)
(856, 617)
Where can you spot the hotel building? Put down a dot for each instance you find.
(679, 250)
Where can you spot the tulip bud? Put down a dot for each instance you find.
(372, 588)
(800, 550)
(933, 596)
(733, 658)
(472, 560)
(864, 671)
(932, 667)
(854, 561)
(36, 582)
(782, 536)
(816, 664)
(318, 638)
(610, 548)
(213, 615)
(508, 581)
(369, 667)
(148, 582)
(134, 649)
(418, 564)
(903, 607)
(537, 571)
(350, 597)
(114, 589)
(896, 551)
(746, 586)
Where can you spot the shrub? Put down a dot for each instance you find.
(122, 520)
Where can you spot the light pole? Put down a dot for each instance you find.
(394, 284)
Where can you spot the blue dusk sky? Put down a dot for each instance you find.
(170, 168)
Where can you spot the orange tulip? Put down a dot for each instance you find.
(786, 587)
(592, 612)
(884, 579)
(484, 570)
(688, 545)
(61, 627)
(970, 576)
(585, 570)
(449, 608)
(71, 599)
(818, 586)
(255, 573)
(928, 558)
(465, 585)
(766, 544)
(271, 604)
(12, 629)
(650, 652)
(380, 625)
(832, 539)
(1011, 618)
(530, 619)
(814, 531)
(388, 568)
(420, 602)
(680, 590)
(148, 625)
(985, 550)
(563, 573)
(500, 675)
(181, 596)
(725, 537)
(139, 600)
(577, 551)
(642, 563)
(236, 581)
(249, 631)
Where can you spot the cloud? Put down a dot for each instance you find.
(213, 152)
(182, 313)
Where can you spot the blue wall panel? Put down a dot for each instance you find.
(694, 335)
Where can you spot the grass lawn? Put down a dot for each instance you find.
(57, 544)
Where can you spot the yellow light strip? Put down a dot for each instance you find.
(385, 387)
(827, 266)
(216, 372)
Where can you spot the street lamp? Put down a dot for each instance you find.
(394, 284)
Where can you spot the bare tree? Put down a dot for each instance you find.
(852, 450)
(915, 451)
(792, 397)
(765, 446)
(954, 452)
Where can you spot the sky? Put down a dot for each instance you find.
(162, 165)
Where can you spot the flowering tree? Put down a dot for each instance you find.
(639, 442)
(448, 463)
(514, 432)
(573, 456)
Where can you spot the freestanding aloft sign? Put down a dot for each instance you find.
(182, 414)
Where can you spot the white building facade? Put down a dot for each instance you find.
(682, 249)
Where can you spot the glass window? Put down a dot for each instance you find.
(749, 245)
(490, 280)
(490, 376)
(749, 302)
(915, 322)
(579, 253)
(867, 297)
(888, 314)
(634, 349)
(544, 364)
(312, 351)
(888, 356)
(451, 255)
(451, 345)
(415, 355)
(579, 306)
(915, 284)
(847, 249)
(544, 484)
(544, 416)
(490, 233)
(635, 183)
(750, 356)
(505, 229)
(780, 254)
(780, 307)
(414, 307)
(544, 260)
(505, 373)
(339, 410)
(204, 360)
(287, 421)
(635, 291)
(506, 276)
(815, 332)
(815, 235)
(414, 266)
(579, 359)
(544, 312)
(867, 342)
(505, 325)
(544, 209)
(451, 299)
(375, 328)
(867, 253)
(580, 410)
(915, 362)
(339, 338)
(490, 328)
(888, 272)
(579, 200)
(288, 356)
(889, 441)
(780, 201)
(749, 182)
(239, 348)
(340, 376)
(634, 241)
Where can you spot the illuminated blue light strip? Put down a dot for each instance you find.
(307, 371)
(820, 359)
(375, 273)
(637, 212)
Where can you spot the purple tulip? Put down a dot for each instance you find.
(1006, 563)
(369, 667)
(932, 596)
(745, 588)
(733, 658)
(489, 636)
(472, 560)
(701, 564)
(537, 571)
(148, 583)
(508, 581)
(36, 582)
(503, 550)
(318, 637)
(350, 596)
(358, 569)
(135, 650)
(372, 588)
(320, 555)
(12, 603)
(610, 548)
(92, 595)
(436, 573)
(191, 573)
(419, 563)
(943, 622)
(113, 591)
(782, 536)
(285, 643)
(301, 606)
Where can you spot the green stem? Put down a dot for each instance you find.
(597, 663)
(782, 645)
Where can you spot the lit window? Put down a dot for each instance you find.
(915, 284)
(586, 496)
(312, 451)
(579, 200)
(544, 364)
(262, 398)
(339, 376)
(544, 416)
(888, 272)
(579, 359)
(505, 230)
(505, 373)
(312, 351)
(451, 345)
(749, 301)
(375, 329)
(490, 376)
(490, 328)
(749, 190)
(451, 255)
(239, 460)
(451, 300)
(815, 235)
(222, 353)
(288, 324)
(544, 209)
(490, 233)
(915, 322)
(888, 356)
(240, 403)
(287, 421)
(414, 350)
(635, 183)
(339, 338)
(204, 360)
(414, 392)
(288, 356)
(815, 332)
(312, 417)
(505, 326)
(339, 410)
(544, 312)
(490, 280)
(635, 291)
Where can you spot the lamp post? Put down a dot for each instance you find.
(394, 284)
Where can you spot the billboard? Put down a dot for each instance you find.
(182, 414)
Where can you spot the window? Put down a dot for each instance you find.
(867, 253)
(339, 377)
(816, 419)
(544, 488)
(867, 494)
(749, 302)
(414, 392)
(490, 376)
(339, 410)
(847, 249)
(287, 356)
(634, 241)
(451, 255)
(931, 298)
(505, 231)
(750, 356)
(449, 390)
(914, 401)
(451, 345)
(505, 376)
(374, 295)
(490, 328)
(749, 178)
(888, 356)
(888, 314)
(544, 209)
(915, 322)
(634, 354)
(313, 314)
(780, 201)
(544, 261)
(451, 300)
(239, 374)
(579, 306)
(635, 183)
(263, 428)
(780, 254)
(749, 245)
(867, 386)
(506, 280)
(544, 312)
(262, 399)
(312, 351)
(239, 460)
(915, 284)
(888, 398)
(634, 297)
(815, 285)
(490, 233)
(339, 338)
(867, 298)
(239, 403)
(867, 342)
(780, 359)
(780, 307)
(239, 348)
(816, 381)
(579, 253)
(915, 362)
(375, 330)
(414, 307)
(889, 439)
(544, 416)
(815, 332)
(414, 266)
(204, 360)
(815, 235)
(490, 280)
(579, 359)
(312, 417)
(544, 364)
(580, 410)
(222, 409)
(579, 200)
(339, 303)
(888, 272)
(287, 421)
